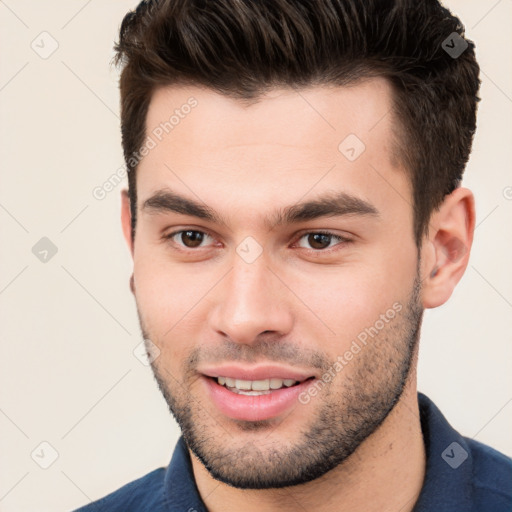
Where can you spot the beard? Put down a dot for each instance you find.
(347, 411)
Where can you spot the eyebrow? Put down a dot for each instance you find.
(334, 204)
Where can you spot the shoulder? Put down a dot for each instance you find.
(492, 477)
(141, 495)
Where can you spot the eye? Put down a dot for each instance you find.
(188, 238)
(321, 240)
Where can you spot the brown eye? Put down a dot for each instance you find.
(189, 238)
(194, 237)
(320, 241)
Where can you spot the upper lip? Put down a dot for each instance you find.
(261, 372)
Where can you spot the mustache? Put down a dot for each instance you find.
(259, 351)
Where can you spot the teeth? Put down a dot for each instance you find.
(261, 385)
(276, 383)
(243, 384)
(255, 385)
(250, 393)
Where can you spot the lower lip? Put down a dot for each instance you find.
(255, 407)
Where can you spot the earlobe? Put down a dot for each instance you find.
(448, 247)
(126, 219)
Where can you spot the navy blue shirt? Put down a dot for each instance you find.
(462, 475)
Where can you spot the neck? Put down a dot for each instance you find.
(387, 468)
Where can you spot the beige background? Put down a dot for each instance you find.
(68, 375)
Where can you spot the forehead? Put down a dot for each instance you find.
(281, 116)
(287, 144)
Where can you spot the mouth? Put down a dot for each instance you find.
(255, 400)
(256, 387)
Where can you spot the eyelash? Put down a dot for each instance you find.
(342, 240)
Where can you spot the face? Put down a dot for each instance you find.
(275, 270)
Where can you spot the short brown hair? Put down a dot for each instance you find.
(243, 48)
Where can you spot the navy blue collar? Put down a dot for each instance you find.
(447, 486)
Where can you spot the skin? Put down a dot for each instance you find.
(245, 162)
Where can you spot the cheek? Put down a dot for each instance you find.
(155, 290)
(163, 294)
(346, 301)
(169, 299)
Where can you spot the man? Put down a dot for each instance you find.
(294, 205)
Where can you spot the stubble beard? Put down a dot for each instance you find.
(346, 412)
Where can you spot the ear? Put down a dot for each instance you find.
(126, 219)
(445, 251)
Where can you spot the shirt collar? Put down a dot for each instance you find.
(449, 472)
(180, 490)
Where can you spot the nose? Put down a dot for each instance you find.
(251, 301)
